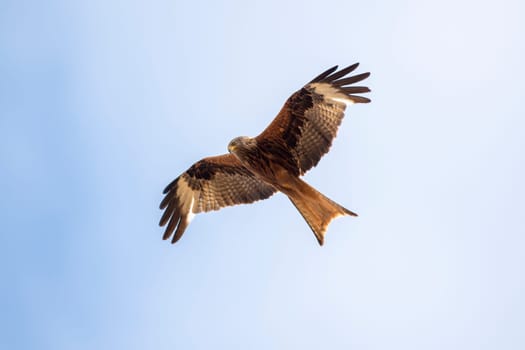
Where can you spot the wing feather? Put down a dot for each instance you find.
(324, 74)
(340, 73)
(310, 118)
(210, 184)
(351, 80)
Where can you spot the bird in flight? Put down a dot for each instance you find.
(257, 167)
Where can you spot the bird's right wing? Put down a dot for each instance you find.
(210, 184)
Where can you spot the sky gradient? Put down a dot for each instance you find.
(103, 103)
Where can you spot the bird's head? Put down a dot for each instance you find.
(241, 144)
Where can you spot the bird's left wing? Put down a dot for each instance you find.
(308, 122)
(210, 184)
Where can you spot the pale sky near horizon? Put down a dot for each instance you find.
(102, 103)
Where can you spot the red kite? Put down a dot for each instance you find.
(257, 167)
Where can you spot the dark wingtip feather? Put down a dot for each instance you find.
(170, 186)
(359, 99)
(165, 201)
(167, 234)
(183, 224)
(164, 219)
(323, 75)
(171, 226)
(351, 80)
(355, 89)
(341, 73)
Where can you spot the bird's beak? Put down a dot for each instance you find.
(231, 148)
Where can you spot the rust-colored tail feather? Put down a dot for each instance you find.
(316, 209)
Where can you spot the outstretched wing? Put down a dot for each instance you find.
(210, 184)
(308, 121)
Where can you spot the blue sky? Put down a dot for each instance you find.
(103, 103)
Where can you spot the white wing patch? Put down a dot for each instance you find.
(346, 101)
(191, 214)
(331, 93)
(187, 200)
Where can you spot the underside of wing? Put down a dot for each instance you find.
(309, 120)
(210, 184)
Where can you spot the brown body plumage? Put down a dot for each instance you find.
(273, 161)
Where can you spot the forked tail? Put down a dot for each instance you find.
(316, 209)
